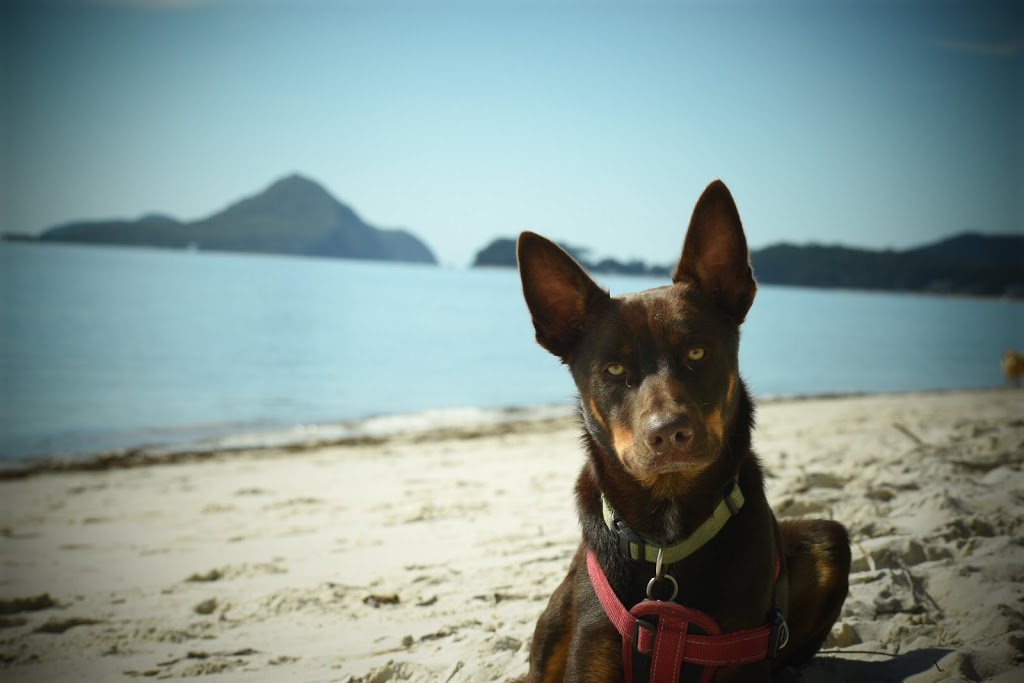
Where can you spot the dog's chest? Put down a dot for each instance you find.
(673, 523)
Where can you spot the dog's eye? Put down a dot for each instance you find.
(615, 370)
(696, 353)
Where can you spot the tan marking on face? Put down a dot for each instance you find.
(732, 387)
(622, 440)
(597, 414)
(714, 423)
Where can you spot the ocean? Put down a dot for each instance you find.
(104, 348)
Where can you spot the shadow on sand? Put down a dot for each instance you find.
(827, 668)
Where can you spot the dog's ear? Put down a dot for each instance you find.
(715, 255)
(558, 292)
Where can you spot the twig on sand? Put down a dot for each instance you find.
(841, 651)
(867, 556)
(916, 587)
(454, 670)
(911, 435)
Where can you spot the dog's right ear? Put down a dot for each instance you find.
(558, 292)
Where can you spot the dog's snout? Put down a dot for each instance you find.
(669, 432)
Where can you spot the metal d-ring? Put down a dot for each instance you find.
(667, 577)
(659, 575)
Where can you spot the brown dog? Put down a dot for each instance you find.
(1013, 366)
(667, 427)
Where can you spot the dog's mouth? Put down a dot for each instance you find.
(687, 460)
(647, 466)
(679, 462)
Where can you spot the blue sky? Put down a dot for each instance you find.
(879, 124)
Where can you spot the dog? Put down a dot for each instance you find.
(1013, 366)
(683, 573)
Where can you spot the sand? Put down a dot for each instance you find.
(428, 556)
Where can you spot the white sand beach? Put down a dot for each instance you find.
(427, 556)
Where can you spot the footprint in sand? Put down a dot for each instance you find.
(236, 571)
(394, 671)
(294, 503)
(33, 603)
(252, 491)
(206, 607)
(216, 508)
(821, 480)
(199, 663)
(892, 552)
(59, 626)
(795, 507)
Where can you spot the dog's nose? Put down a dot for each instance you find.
(669, 432)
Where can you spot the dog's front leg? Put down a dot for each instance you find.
(595, 654)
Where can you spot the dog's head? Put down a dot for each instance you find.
(657, 371)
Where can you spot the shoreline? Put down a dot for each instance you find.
(418, 426)
(428, 557)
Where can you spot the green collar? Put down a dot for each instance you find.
(638, 547)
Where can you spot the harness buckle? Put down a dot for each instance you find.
(779, 633)
(647, 626)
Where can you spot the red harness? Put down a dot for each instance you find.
(668, 643)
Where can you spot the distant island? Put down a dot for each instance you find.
(294, 215)
(501, 253)
(969, 263)
(297, 216)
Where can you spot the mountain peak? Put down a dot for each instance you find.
(296, 188)
(295, 180)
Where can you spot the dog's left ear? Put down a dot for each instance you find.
(715, 255)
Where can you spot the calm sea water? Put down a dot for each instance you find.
(106, 347)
